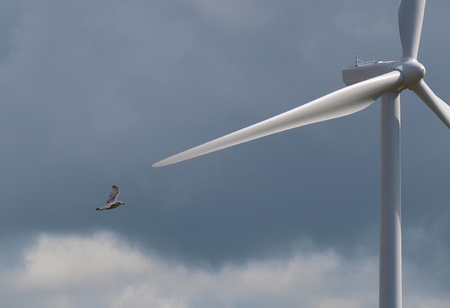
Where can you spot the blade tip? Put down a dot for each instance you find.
(159, 164)
(166, 161)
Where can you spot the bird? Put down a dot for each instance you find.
(112, 202)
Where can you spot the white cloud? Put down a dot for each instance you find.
(102, 271)
(64, 262)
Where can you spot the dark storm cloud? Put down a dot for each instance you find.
(93, 93)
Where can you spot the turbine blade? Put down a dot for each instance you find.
(410, 20)
(334, 105)
(439, 107)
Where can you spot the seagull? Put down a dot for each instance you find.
(112, 202)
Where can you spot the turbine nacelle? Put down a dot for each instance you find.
(365, 70)
(412, 71)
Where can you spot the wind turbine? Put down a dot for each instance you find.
(366, 82)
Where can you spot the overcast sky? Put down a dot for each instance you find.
(92, 93)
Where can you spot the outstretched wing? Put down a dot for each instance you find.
(113, 194)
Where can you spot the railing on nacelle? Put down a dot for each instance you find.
(366, 70)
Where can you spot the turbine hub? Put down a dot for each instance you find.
(413, 71)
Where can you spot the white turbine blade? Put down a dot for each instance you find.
(334, 105)
(439, 107)
(410, 20)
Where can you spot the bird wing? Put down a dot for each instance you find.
(113, 194)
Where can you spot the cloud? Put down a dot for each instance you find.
(235, 14)
(93, 93)
(103, 271)
(64, 262)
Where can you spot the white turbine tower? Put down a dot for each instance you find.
(365, 83)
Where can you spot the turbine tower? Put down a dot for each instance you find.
(366, 82)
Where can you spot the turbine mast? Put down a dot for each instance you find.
(390, 223)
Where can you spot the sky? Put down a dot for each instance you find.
(92, 93)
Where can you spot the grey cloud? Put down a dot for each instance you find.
(101, 270)
(94, 93)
